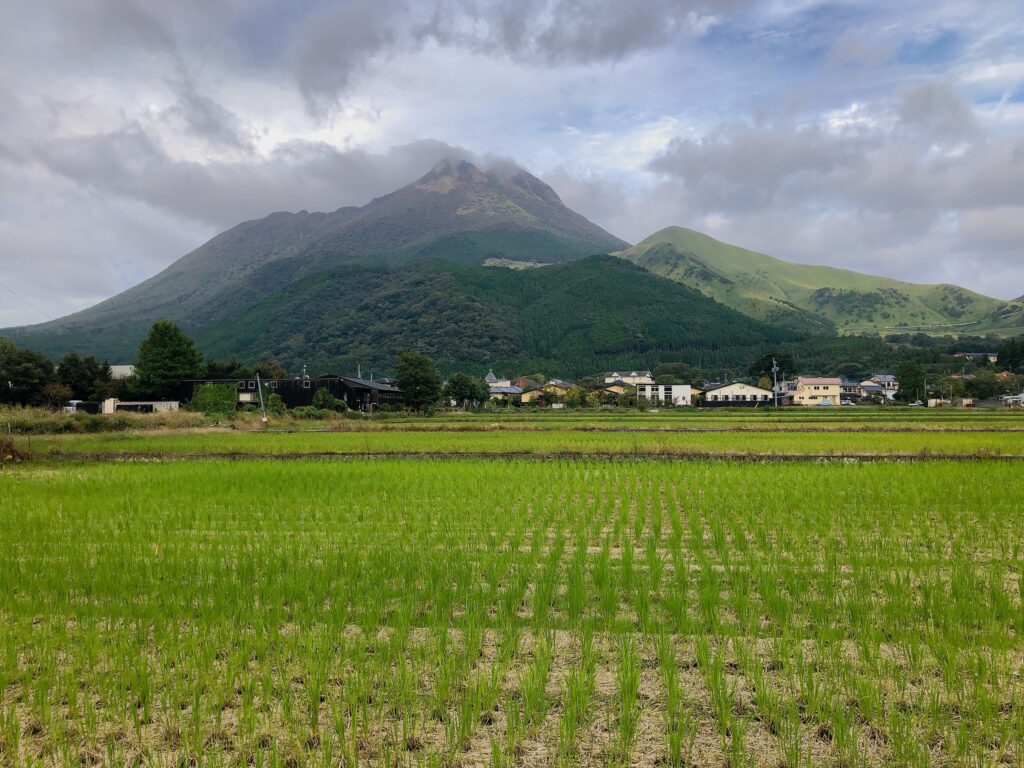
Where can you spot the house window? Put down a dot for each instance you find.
(306, 383)
(272, 384)
(241, 385)
(252, 385)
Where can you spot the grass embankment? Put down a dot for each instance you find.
(579, 613)
(39, 421)
(526, 442)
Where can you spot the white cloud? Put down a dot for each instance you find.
(130, 132)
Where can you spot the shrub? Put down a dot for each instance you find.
(308, 412)
(275, 405)
(325, 401)
(215, 400)
(9, 453)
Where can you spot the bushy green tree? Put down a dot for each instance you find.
(911, 377)
(166, 357)
(215, 400)
(86, 377)
(325, 401)
(1011, 355)
(23, 375)
(463, 388)
(576, 397)
(418, 380)
(275, 405)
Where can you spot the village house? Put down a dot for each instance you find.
(850, 390)
(113, 405)
(505, 393)
(669, 394)
(358, 394)
(630, 378)
(493, 381)
(890, 386)
(736, 395)
(811, 390)
(532, 390)
(558, 387)
(616, 387)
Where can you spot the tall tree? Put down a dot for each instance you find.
(166, 356)
(86, 377)
(463, 388)
(1011, 355)
(23, 375)
(911, 377)
(418, 380)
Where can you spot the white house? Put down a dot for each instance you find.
(670, 394)
(118, 372)
(633, 378)
(113, 405)
(737, 394)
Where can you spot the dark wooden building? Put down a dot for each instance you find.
(358, 394)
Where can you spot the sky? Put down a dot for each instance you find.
(886, 137)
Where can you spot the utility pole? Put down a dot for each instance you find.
(775, 379)
(259, 388)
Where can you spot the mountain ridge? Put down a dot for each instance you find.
(566, 319)
(454, 211)
(480, 221)
(779, 291)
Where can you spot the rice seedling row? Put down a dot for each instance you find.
(561, 612)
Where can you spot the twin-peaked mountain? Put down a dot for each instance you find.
(420, 268)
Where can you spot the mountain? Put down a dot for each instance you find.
(569, 319)
(815, 297)
(455, 212)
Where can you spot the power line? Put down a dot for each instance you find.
(26, 301)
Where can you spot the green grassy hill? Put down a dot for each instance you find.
(817, 297)
(570, 319)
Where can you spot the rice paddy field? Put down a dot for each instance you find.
(563, 591)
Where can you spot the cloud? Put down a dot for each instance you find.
(915, 188)
(331, 46)
(207, 118)
(877, 136)
(335, 45)
(131, 165)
